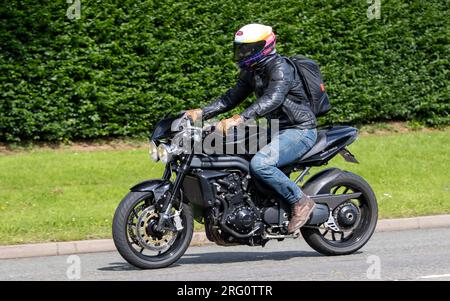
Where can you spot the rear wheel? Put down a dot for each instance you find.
(136, 238)
(351, 224)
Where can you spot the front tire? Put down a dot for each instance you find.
(133, 218)
(324, 240)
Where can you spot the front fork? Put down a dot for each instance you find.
(167, 205)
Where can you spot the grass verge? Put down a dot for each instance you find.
(71, 194)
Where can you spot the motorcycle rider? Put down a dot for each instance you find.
(280, 95)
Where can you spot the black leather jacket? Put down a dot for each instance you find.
(279, 91)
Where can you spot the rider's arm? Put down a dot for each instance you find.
(274, 95)
(231, 98)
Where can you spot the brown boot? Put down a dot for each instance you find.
(300, 213)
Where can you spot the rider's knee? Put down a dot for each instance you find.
(260, 163)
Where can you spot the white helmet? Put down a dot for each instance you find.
(252, 43)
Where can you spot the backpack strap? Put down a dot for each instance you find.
(302, 78)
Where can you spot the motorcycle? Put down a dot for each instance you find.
(153, 225)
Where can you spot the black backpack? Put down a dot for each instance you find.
(311, 77)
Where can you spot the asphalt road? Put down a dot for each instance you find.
(401, 255)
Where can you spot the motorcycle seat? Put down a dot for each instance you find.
(320, 145)
(329, 142)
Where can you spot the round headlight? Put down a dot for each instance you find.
(153, 151)
(164, 153)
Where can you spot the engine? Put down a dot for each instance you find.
(238, 213)
(242, 219)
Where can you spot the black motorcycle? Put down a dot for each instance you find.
(153, 225)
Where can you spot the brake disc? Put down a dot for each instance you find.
(147, 237)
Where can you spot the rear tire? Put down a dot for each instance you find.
(367, 224)
(125, 245)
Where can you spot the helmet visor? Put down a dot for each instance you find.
(246, 50)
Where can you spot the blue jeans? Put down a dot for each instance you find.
(286, 147)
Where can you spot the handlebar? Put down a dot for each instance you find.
(206, 129)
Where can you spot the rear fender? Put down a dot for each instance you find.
(318, 188)
(316, 184)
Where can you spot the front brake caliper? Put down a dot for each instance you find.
(177, 220)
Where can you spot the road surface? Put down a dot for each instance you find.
(400, 255)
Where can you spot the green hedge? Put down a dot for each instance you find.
(125, 64)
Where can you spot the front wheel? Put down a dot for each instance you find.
(351, 224)
(136, 238)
